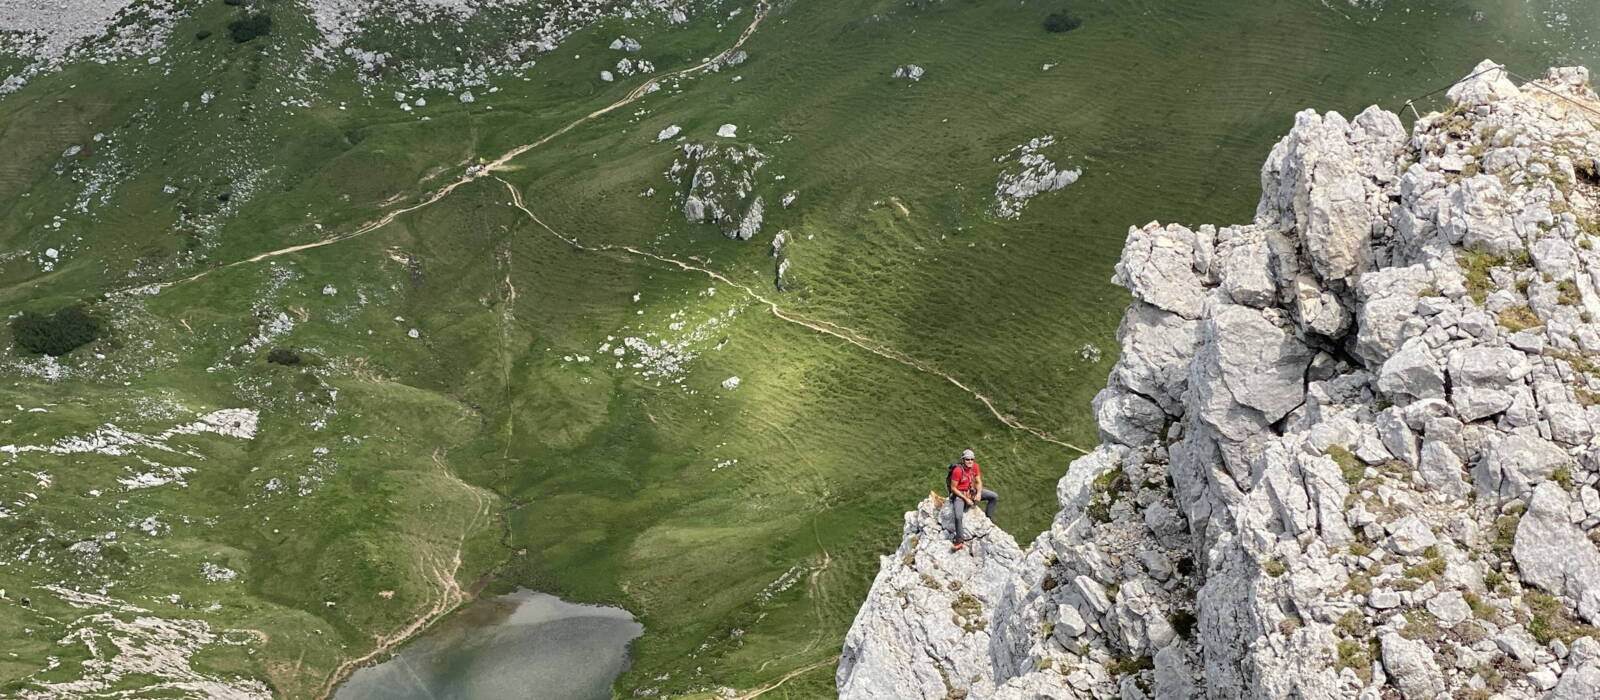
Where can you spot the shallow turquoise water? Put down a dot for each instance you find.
(520, 645)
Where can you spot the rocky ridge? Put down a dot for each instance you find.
(1348, 449)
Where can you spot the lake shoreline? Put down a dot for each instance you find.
(519, 641)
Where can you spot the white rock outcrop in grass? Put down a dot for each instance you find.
(1028, 173)
(1348, 450)
(909, 71)
(717, 183)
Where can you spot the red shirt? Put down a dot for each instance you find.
(964, 476)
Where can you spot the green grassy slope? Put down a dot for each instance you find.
(743, 526)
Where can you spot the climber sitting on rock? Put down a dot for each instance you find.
(966, 486)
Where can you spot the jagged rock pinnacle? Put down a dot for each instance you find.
(1348, 450)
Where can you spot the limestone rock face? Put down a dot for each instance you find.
(1412, 667)
(1554, 554)
(1348, 450)
(941, 602)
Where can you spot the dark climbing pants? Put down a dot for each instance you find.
(988, 497)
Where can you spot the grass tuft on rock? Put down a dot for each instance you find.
(1480, 609)
(1357, 656)
(1421, 625)
(1353, 624)
(1563, 476)
(1350, 466)
(1548, 619)
(1431, 568)
(1476, 265)
(1360, 584)
(968, 612)
(1505, 534)
(1519, 318)
(1567, 293)
(1125, 665)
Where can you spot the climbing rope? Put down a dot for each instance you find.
(1579, 105)
(1412, 102)
(1525, 80)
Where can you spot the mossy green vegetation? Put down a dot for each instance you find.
(1476, 266)
(1107, 489)
(1350, 466)
(283, 356)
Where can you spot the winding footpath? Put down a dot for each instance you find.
(473, 174)
(763, 690)
(633, 95)
(441, 575)
(451, 595)
(824, 327)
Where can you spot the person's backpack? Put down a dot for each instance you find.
(950, 474)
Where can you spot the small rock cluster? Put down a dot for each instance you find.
(1348, 450)
(909, 71)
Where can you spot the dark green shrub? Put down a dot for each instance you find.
(283, 356)
(250, 26)
(202, 35)
(55, 334)
(233, 3)
(1059, 22)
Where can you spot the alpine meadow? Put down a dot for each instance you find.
(326, 318)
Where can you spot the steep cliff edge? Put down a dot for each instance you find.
(1349, 449)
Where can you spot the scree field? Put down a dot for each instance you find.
(501, 356)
